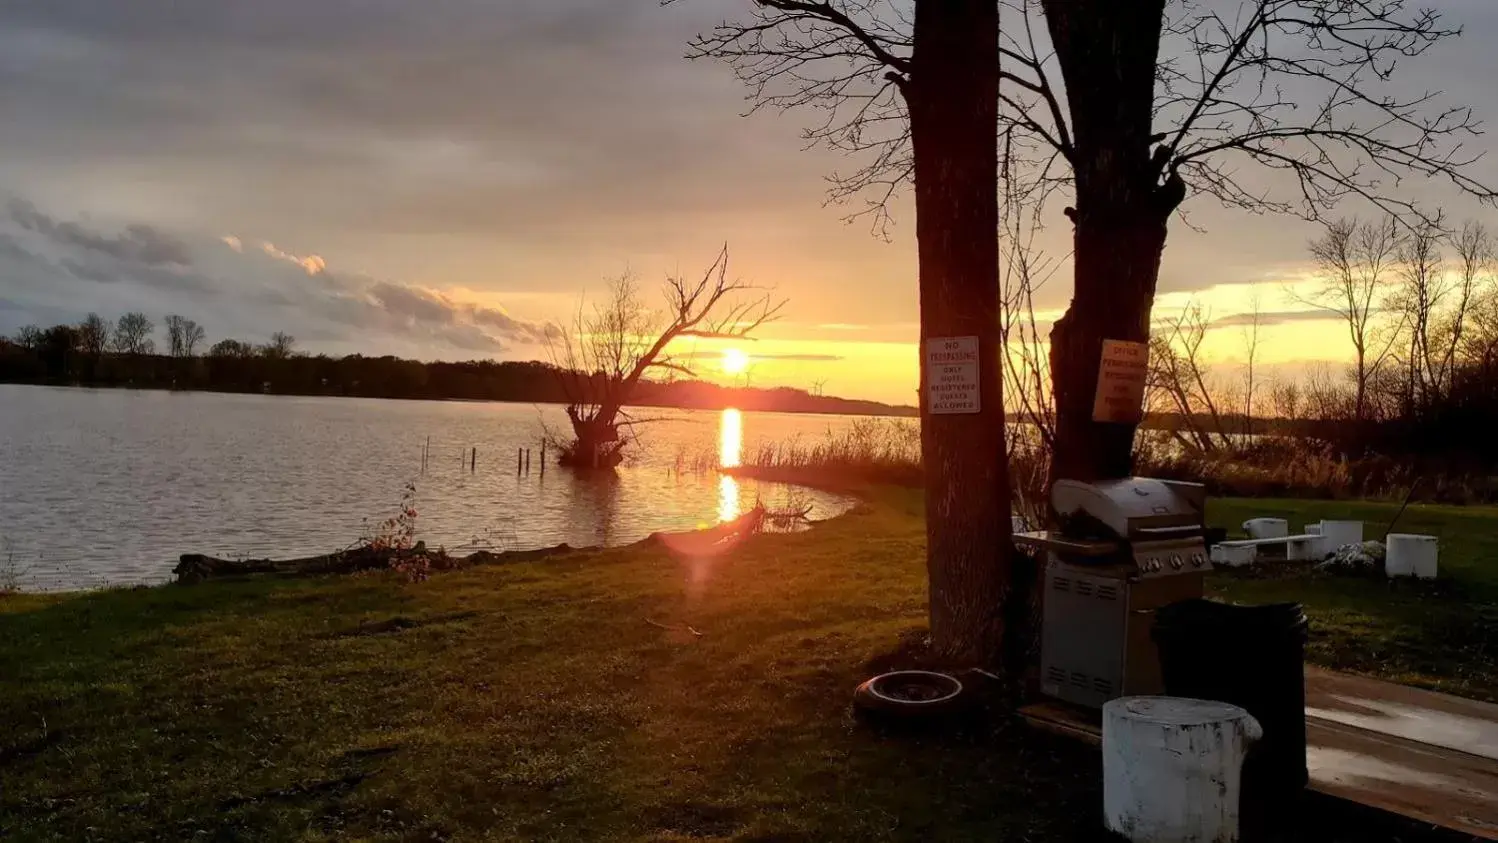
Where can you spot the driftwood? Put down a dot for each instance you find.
(196, 567)
(713, 541)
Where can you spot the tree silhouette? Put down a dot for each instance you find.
(132, 334)
(606, 355)
(93, 336)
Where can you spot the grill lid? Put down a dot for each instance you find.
(1133, 508)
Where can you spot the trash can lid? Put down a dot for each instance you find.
(1198, 612)
(1173, 711)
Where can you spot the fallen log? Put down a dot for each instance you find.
(197, 567)
(713, 541)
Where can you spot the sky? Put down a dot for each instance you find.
(440, 179)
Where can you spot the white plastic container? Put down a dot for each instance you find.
(1313, 529)
(1172, 768)
(1266, 528)
(1411, 555)
(1335, 534)
(1233, 554)
(1304, 550)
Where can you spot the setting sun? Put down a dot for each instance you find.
(735, 361)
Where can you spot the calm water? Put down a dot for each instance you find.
(105, 487)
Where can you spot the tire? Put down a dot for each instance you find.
(911, 695)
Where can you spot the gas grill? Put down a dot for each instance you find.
(1123, 548)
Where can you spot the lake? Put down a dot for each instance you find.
(108, 487)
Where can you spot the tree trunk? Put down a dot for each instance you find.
(1107, 52)
(952, 97)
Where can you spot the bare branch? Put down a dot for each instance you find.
(1304, 86)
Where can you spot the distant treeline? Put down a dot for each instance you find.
(123, 354)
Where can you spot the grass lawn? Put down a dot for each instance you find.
(533, 701)
(1441, 635)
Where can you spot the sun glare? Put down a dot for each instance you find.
(735, 361)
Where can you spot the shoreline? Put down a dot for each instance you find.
(903, 412)
(325, 564)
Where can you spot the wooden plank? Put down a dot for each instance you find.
(1400, 711)
(1066, 720)
(1431, 784)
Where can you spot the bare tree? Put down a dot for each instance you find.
(174, 334)
(1323, 398)
(1307, 88)
(912, 90)
(192, 336)
(231, 348)
(183, 335)
(93, 335)
(1025, 269)
(1356, 262)
(279, 347)
(1476, 262)
(1179, 381)
(609, 351)
(1251, 323)
(132, 334)
(29, 337)
(1422, 287)
(1287, 397)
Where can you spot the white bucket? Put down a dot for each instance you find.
(1266, 528)
(1334, 534)
(1231, 555)
(1172, 768)
(1411, 555)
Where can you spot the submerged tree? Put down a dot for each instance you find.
(623, 341)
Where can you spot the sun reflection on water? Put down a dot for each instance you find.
(730, 455)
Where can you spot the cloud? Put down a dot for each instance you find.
(1275, 317)
(756, 356)
(140, 243)
(311, 264)
(233, 242)
(467, 320)
(58, 270)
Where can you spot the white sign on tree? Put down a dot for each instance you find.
(952, 382)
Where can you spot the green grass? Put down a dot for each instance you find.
(531, 701)
(1441, 635)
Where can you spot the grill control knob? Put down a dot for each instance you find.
(1197, 560)
(1154, 564)
(1176, 562)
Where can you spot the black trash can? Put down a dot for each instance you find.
(1252, 657)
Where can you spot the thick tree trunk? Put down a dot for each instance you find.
(1117, 265)
(952, 98)
(1107, 52)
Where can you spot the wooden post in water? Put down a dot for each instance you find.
(543, 457)
(519, 460)
(473, 461)
(527, 460)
